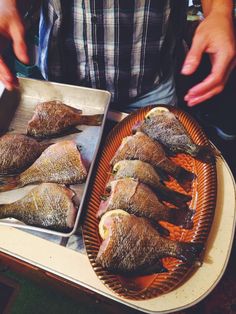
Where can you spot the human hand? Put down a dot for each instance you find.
(11, 27)
(214, 36)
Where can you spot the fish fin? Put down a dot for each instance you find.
(102, 208)
(67, 131)
(174, 197)
(163, 175)
(182, 217)
(185, 178)
(137, 127)
(95, 119)
(75, 110)
(190, 252)
(160, 229)
(157, 267)
(9, 183)
(206, 153)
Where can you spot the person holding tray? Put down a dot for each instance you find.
(126, 47)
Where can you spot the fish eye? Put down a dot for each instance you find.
(79, 147)
(115, 169)
(104, 197)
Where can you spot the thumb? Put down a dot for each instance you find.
(17, 34)
(193, 57)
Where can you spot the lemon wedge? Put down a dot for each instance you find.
(103, 230)
(156, 111)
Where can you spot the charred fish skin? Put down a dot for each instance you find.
(146, 174)
(54, 118)
(137, 199)
(17, 152)
(59, 163)
(169, 131)
(142, 147)
(133, 246)
(48, 205)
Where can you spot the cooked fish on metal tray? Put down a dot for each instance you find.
(27, 161)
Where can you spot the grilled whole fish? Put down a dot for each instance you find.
(17, 152)
(53, 118)
(48, 205)
(134, 247)
(165, 127)
(146, 174)
(138, 199)
(141, 147)
(59, 163)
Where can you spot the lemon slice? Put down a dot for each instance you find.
(156, 111)
(103, 231)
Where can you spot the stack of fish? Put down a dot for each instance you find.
(133, 240)
(52, 166)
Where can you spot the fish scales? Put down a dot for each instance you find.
(17, 152)
(135, 247)
(146, 174)
(59, 163)
(137, 199)
(142, 147)
(166, 128)
(48, 205)
(53, 118)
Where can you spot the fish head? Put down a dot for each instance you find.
(137, 126)
(107, 221)
(108, 233)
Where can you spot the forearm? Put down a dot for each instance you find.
(214, 36)
(12, 28)
(221, 6)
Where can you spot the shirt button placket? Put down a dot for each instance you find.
(94, 19)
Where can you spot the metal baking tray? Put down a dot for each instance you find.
(16, 109)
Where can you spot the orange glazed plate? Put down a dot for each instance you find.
(203, 201)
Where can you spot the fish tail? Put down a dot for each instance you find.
(205, 153)
(184, 178)
(9, 183)
(95, 119)
(182, 217)
(174, 197)
(190, 252)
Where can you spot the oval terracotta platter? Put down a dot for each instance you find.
(203, 201)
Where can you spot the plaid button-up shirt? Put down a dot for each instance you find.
(123, 46)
